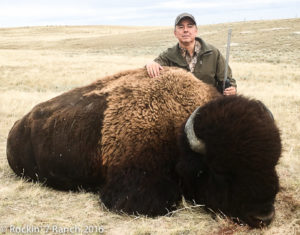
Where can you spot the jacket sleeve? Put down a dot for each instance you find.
(221, 71)
(162, 59)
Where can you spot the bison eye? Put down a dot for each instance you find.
(199, 173)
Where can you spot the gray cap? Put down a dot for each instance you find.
(184, 15)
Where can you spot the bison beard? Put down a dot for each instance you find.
(128, 135)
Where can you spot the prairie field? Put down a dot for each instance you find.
(38, 63)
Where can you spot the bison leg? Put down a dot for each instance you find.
(136, 191)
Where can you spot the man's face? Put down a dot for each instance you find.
(186, 31)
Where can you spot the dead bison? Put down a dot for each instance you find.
(139, 141)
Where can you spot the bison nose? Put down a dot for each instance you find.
(265, 218)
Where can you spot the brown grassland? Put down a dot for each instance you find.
(38, 63)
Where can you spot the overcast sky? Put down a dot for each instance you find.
(138, 12)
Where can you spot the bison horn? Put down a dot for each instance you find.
(267, 110)
(197, 145)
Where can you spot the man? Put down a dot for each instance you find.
(193, 54)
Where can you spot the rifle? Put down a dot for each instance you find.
(225, 81)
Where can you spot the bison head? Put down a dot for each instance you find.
(230, 148)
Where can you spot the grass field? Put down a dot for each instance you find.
(37, 63)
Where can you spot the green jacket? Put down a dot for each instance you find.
(210, 67)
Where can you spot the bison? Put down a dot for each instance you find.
(143, 143)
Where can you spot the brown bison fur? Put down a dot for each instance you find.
(126, 135)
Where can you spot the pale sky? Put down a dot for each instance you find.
(15, 13)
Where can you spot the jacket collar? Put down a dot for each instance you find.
(174, 53)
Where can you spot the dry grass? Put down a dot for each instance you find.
(37, 63)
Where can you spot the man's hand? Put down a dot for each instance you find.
(230, 91)
(153, 69)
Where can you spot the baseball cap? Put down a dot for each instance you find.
(184, 15)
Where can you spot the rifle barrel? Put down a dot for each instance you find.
(227, 57)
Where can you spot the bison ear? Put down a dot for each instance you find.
(197, 145)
